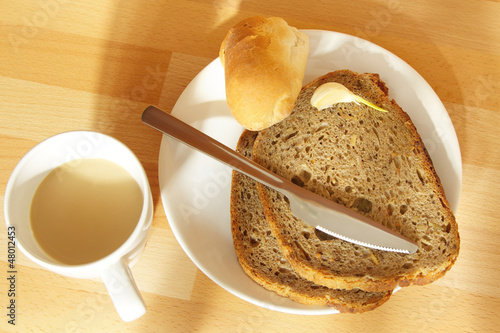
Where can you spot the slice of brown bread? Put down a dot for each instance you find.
(372, 162)
(260, 257)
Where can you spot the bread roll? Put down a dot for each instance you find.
(264, 61)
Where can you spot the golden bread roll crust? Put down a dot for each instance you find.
(264, 61)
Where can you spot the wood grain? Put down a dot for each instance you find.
(67, 65)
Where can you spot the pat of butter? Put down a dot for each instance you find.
(331, 93)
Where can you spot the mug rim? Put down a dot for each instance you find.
(144, 222)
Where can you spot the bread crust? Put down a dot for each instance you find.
(260, 258)
(413, 204)
(264, 62)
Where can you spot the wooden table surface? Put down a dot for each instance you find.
(95, 65)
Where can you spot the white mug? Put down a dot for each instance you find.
(114, 269)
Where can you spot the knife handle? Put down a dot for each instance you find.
(198, 140)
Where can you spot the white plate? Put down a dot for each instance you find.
(195, 189)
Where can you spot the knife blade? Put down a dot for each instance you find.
(326, 215)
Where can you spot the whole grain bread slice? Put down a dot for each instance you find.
(371, 162)
(260, 257)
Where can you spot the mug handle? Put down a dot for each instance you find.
(123, 291)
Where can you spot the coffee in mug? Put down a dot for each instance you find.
(84, 210)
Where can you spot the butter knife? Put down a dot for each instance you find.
(326, 215)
